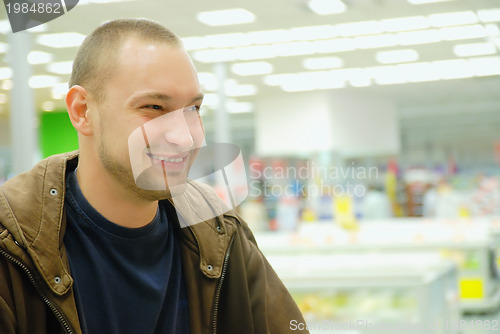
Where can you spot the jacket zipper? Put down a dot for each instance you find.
(219, 286)
(54, 309)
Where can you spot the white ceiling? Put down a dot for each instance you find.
(423, 100)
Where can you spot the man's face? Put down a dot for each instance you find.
(149, 126)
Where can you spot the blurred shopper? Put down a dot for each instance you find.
(91, 241)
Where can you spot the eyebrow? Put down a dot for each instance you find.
(165, 97)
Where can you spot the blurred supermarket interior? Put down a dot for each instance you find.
(370, 131)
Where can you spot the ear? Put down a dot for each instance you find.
(77, 101)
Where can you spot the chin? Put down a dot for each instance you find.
(174, 184)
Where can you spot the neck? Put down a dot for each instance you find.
(112, 201)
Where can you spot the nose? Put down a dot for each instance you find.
(177, 130)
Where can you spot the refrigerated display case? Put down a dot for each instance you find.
(372, 293)
(473, 245)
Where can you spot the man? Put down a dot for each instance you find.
(91, 241)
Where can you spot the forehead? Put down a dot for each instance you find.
(146, 65)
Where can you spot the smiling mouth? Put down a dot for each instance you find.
(160, 158)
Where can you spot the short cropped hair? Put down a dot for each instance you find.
(96, 58)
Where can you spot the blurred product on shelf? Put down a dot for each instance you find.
(299, 190)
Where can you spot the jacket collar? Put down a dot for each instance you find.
(32, 210)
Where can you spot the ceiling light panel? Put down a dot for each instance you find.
(227, 40)
(5, 73)
(40, 81)
(194, 43)
(63, 67)
(226, 17)
(463, 32)
(327, 7)
(39, 57)
(62, 40)
(270, 36)
(485, 66)
(314, 32)
(375, 41)
(397, 56)
(474, 49)
(489, 15)
(453, 19)
(252, 68)
(405, 24)
(359, 28)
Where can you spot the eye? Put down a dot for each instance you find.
(193, 108)
(154, 107)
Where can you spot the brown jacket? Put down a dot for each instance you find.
(231, 287)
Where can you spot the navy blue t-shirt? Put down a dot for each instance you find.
(126, 280)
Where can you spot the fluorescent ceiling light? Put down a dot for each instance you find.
(334, 45)
(5, 27)
(227, 40)
(270, 36)
(321, 63)
(226, 17)
(421, 2)
(405, 24)
(7, 84)
(40, 81)
(453, 69)
(252, 68)
(194, 43)
(39, 57)
(214, 56)
(208, 81)
(313, 32)
(464, 32)
(63, 67)
(4, 47)
(453, 19)
(376, 41)
(232, 88)
(359, 28)
(485, 66)
(59, 91)
(5, 73)
(293, 49)
(397, 56)
(239, 107)
(489, 15)
(492, 29)
(327, 7)
(62, 40)
(418, 37)
(255, 52)
(48, 106)
(210, 100)
(474, 49)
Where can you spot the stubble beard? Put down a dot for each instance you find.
(123, 174)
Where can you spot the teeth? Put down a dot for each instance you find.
(166, 159)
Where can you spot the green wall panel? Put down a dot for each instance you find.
(57, 134)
